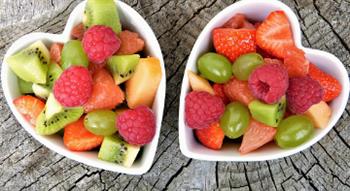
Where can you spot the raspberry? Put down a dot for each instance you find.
(74, 87)
(100, 42)
(219, 91)
(137, 126)
(303, 92)
(202, 109)
(269, 82)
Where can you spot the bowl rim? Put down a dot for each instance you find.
(148, 157)
(184, 143)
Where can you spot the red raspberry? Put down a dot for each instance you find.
(269, 82)
(137, 126)
(202, 109)
(74, 87)
(219, 91)
(303, 92)
(100, 42)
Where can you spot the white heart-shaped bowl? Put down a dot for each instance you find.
(257, 10)
(131, 20)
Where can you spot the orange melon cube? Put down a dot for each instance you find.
(319, 114)
(142, 87)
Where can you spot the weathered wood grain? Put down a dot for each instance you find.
(27, 165)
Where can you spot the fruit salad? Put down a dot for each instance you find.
(96, 90)
(257, 87)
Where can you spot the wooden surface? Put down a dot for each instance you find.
(27, 165)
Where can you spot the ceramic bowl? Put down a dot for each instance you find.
(257, 10)
(131, 20)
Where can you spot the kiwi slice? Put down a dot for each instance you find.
(73, 54)
(25, 87)
(58, 121)
(52, 107)
(114, 149)
(41, 91)
(269, 114)
(122, 67)
(102, 12)
(31, 63)
(53, 74)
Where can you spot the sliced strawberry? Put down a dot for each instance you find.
(77, 138)
(272, 61)
(256, 136)
(131, 43)
(211, 137)
(263, 53)
(55, 52)
(296, 63)
(237, 90)
(105, 93)
(274, 35)
(332, 87)
(30, 107)
(232, 43)
(219, 91)
(78, 31)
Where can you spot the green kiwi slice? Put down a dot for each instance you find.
(58, 121)
(24, 87)
(73, 54)
(31, 63)
(53, 74)
(102, 12)
(114, 149)
(269, 114)
(122, 67)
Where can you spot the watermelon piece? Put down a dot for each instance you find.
(256, 136)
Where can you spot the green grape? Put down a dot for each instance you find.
(73, 54)
(245, 65)
(294, 131)
(101, 122)
(215, 67)
(235, 120)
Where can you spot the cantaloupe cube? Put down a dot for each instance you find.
(319, 114)
(141, 88)
(199, 84)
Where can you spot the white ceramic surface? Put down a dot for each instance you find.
(131, 20)
(257, 10)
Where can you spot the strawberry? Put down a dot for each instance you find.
(78, 31)
(263, 53)
(238, 21)
(331, 86)
(237, 90)
(77, 138)
(219, 91)
(232, 43)
(105, 93)
(272, 61)
(256, 136)
(295, 62)
(211, 137)
(55, 52)
(30, 107)
(274, 35)
(131, 43)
